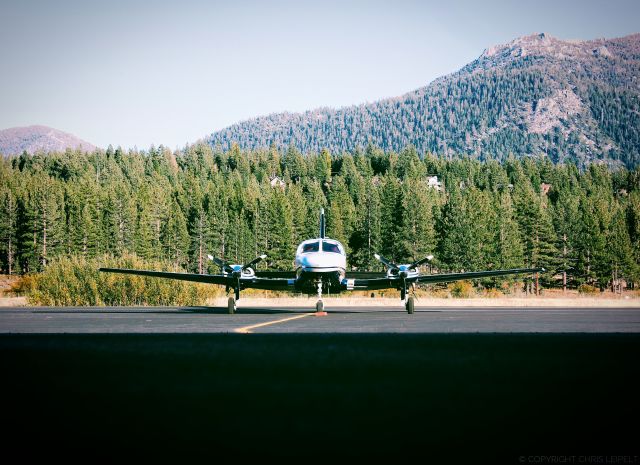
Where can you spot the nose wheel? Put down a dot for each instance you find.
(410, 305)
(319, 304)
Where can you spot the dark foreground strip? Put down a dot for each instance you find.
(483, 398)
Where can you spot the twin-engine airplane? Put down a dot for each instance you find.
(320, 266)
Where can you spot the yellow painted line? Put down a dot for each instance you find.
(247, 329)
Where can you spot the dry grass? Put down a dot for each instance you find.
(428, 301)
(435, 297)
(13, 301)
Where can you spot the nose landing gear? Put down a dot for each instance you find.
(319, 304)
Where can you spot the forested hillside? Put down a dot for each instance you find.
(181, 206)
(14, 141)
(570, 100)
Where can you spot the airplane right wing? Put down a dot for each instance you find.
(396, 282)
(447, 277)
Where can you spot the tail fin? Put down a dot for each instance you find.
(322, 223)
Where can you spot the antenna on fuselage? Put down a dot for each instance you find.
(322, 224)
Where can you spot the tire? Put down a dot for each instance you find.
(231, 306)
(410, 305)
(319, 306)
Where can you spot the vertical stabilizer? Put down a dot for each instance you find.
(322, 223)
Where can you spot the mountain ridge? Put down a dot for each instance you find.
(571, 100)
(36, 138)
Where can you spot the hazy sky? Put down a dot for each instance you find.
(170, 72)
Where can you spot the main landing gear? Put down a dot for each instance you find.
(231, 306)
(409, 305)
(409, 302)
(231, 303)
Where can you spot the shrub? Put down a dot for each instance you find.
(588, 289)
(461, 289)
(21, 285)
(492, 293)
(77, 281)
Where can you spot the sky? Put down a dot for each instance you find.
(135, 73)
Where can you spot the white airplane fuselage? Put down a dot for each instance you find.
(320, 261)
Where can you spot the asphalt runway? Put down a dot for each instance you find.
(79, 320)
(361, 385)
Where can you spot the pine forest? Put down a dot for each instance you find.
(176, 207)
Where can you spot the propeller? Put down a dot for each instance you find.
(422, 261)
(235, 271)
(402, 268)
(254, 261)
(222, 264)
(388, 263)
(226, 267)
(402, 271)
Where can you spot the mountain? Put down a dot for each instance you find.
(39, 138)
(572, 100)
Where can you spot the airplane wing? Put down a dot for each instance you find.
(272, 284)
(198, 278)
(392, 283)
(276, 274)
(447, 277)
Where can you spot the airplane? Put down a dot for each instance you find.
(321, 267)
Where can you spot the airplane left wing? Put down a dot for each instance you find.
(272, 284)
(198, 278)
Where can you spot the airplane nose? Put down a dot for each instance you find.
(319, 260)
(311, 261)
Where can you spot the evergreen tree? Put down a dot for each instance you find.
(508, 252)
(281, 246)
(417, 236)
(175, 236)
(536, 224)
(8, 227)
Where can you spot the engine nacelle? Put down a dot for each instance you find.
(246, 273)
(403, 271)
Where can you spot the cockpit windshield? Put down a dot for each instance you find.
(329, 247)
(311, 247)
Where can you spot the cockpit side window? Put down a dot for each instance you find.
(311, 247)
(329, 247)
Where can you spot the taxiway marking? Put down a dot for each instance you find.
(247, 329)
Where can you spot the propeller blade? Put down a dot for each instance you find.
(254, 261)
(222, 264)
(386, 262)
(417, 263)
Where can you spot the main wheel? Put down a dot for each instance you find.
(319, 306)
(410, 305)
(231, 306)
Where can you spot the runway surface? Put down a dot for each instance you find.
(275, 319)
(361, 385)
